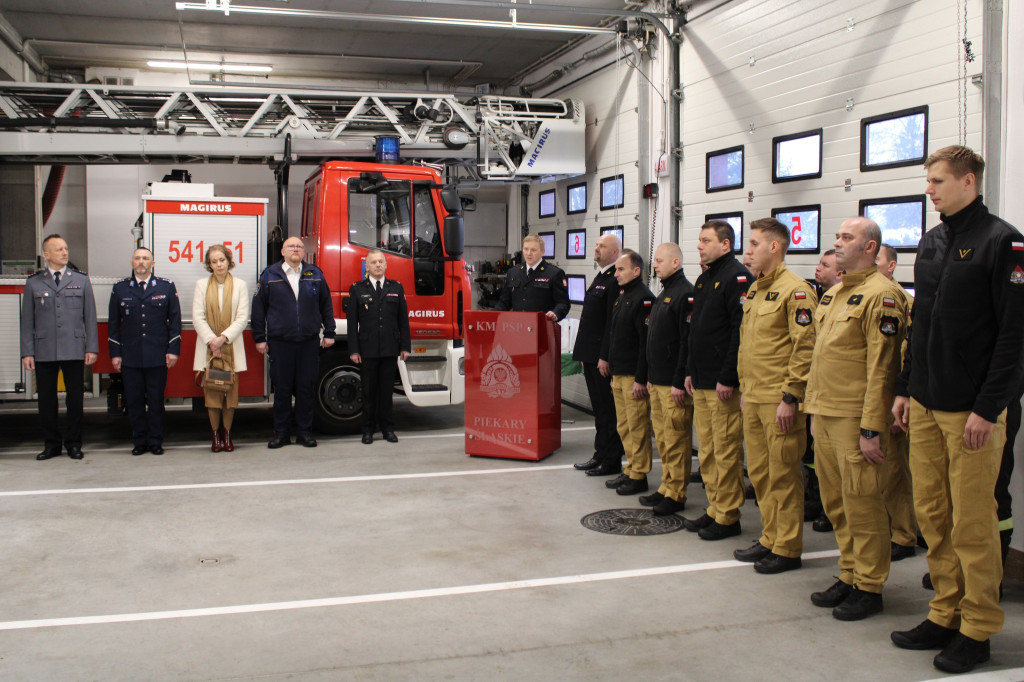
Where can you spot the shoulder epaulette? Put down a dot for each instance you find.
(80, 272)
(38, 272)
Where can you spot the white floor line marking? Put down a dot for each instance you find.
(385, 596)
(171, 447)
(293, 481)
(1008, 675)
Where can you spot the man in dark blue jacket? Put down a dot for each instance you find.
(378, 334)
(144, 339)
(291, 306)
(712, 380)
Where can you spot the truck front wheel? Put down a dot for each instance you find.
(339, 403)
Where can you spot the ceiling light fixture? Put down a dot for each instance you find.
(211, 66)
(396, 18)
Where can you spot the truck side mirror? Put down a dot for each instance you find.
(468, 202)
(454, 235)
(450, 199)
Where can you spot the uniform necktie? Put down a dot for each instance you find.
(378, 287)
(56, 278)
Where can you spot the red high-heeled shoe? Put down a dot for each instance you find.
(225, 438)
(217, 445)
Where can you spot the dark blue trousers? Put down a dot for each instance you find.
(144, 398)
(293, 369)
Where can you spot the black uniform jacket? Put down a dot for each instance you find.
(144, 323)
(378, 325)
(669, 332)
(276, 314)
(592, 334)
(967, 330)
(544, 290)
(718, 300)
(628, 330)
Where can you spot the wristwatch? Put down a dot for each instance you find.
(867, 433)
(789, 398)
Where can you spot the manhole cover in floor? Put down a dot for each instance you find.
(631, 522)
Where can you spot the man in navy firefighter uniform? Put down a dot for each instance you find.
(535, 285)
(378, 334)
(144, 341)
(291, 306)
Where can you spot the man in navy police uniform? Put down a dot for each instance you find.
(144, 327)
(378, 334)
(535, 285)
(58, 334)
(290, 308)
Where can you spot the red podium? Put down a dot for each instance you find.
(513, 385)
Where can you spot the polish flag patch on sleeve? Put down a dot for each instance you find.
(1017, 246)
(889, 302)
(741, 278)
(799, 295)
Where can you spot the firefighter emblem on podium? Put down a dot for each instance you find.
(499, 378)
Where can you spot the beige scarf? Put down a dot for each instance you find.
(219, 317)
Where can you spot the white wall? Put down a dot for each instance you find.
(896, 54)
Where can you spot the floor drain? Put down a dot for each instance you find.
(631, 522)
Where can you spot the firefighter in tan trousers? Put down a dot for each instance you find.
(671, 406)
(776, 342)
(899, 493)
(860, 324)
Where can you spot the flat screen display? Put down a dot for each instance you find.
(612, 192)
(736, 221)
(797, 157)
(804, 223)
(577, 288)
(616, 230)
(900, 218)
(547, 203)
(576, 198)
(895, 139)
(549, 243)
(724, 169)
(576, 244)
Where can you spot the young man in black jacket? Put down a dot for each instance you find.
(719, 295)
(963, 367)
(627, 358)
(671, 405)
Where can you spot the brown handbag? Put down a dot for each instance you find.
(217, 379)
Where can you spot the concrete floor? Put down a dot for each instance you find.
(398, 562)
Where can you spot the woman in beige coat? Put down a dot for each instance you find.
(220, 313)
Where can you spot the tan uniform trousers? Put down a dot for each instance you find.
(719, 428)
(851, 492)
(633, 421)
(899, 493)
(673, 432)
(773, 464)
(957, 513)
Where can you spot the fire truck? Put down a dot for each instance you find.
(350, 205)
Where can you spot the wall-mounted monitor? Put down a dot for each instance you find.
(909, 288)
(613, 192)
(797, 156)
(900, 218)
(736, 220)
(576, 198)
(577, 288)
(576, 244)
(804, 223)
(892, 140)
(617, 231)
(724, 169)
(546, 204)
(549, 243)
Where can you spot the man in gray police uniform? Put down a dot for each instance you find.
(58, 334)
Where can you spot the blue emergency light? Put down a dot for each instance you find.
(386, 149)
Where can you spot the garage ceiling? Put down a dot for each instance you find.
(71, 35)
